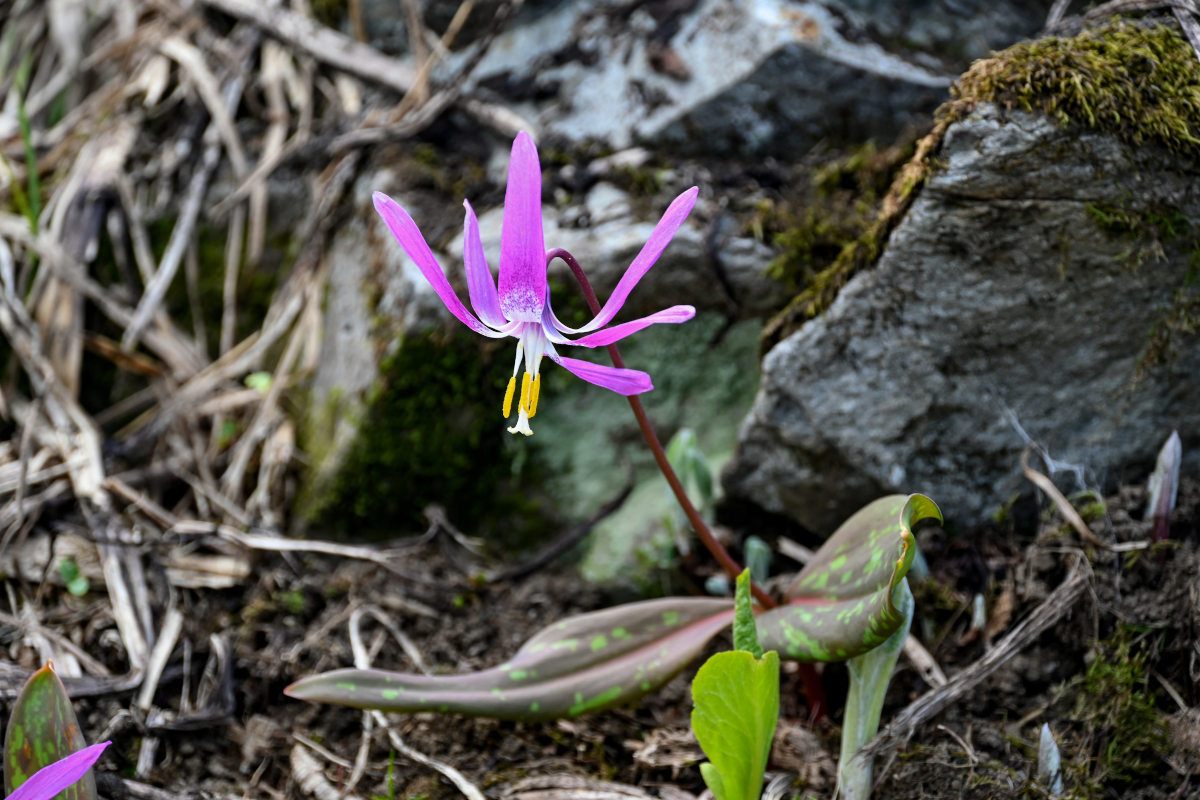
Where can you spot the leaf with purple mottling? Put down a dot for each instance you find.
(838, 607)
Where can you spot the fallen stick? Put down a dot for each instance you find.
(928, 705)
(322, 43)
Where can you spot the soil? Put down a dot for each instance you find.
(236, 733)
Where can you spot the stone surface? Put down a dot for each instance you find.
(947, 33)
(714, 76)
(999, 301)
(371, 281)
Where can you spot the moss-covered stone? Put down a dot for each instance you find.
(430, 432)
(1137, 81)
(1149, 233)
(843, 200)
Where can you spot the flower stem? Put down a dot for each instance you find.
(702, 530)
(814, 690)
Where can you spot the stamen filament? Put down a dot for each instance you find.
(508, 396)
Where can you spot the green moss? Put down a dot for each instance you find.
(1139, 82)
(825, 281)
(431, 432)
(1118, 735)
(843, 200)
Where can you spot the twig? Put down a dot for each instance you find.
(1064, 505)
(1191, 28)
(181, 235)
(928, 705)
(322, 43)
(1057, 12)
(362, 661)
(565, 542)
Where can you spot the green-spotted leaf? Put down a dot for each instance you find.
(841, 605)
(42, 730)
(581, 664)
(838, 607)
(736, 700)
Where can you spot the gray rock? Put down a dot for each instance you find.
(999, 303)
(721, 77)
(954, 32)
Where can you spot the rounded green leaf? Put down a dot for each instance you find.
(736, 700)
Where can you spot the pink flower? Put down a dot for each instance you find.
(54, 778)
(521, 307)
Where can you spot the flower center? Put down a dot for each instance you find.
(531, 346)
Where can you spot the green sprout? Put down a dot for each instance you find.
(736, 696)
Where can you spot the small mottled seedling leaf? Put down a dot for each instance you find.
(42, 730)
(736, 700)
(745, 632)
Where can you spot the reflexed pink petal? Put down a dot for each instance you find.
(660, 237)
(522, 245)
(621, 381)
(480, 283)
(53, 778)
(618, 332)
(409, 236)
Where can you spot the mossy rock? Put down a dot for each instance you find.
(428, 432)
(1139, 81)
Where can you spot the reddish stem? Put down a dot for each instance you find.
(702, 530)
(814, 691)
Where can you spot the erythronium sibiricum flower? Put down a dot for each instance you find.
(521, 307)
(52, 779)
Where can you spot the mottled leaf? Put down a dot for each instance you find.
(42, 730)
(581, 664)
(840, 605)
(736, 700)
(606, 658)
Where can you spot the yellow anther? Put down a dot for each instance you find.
(534, 391)
(525, 383)
(508, 396)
